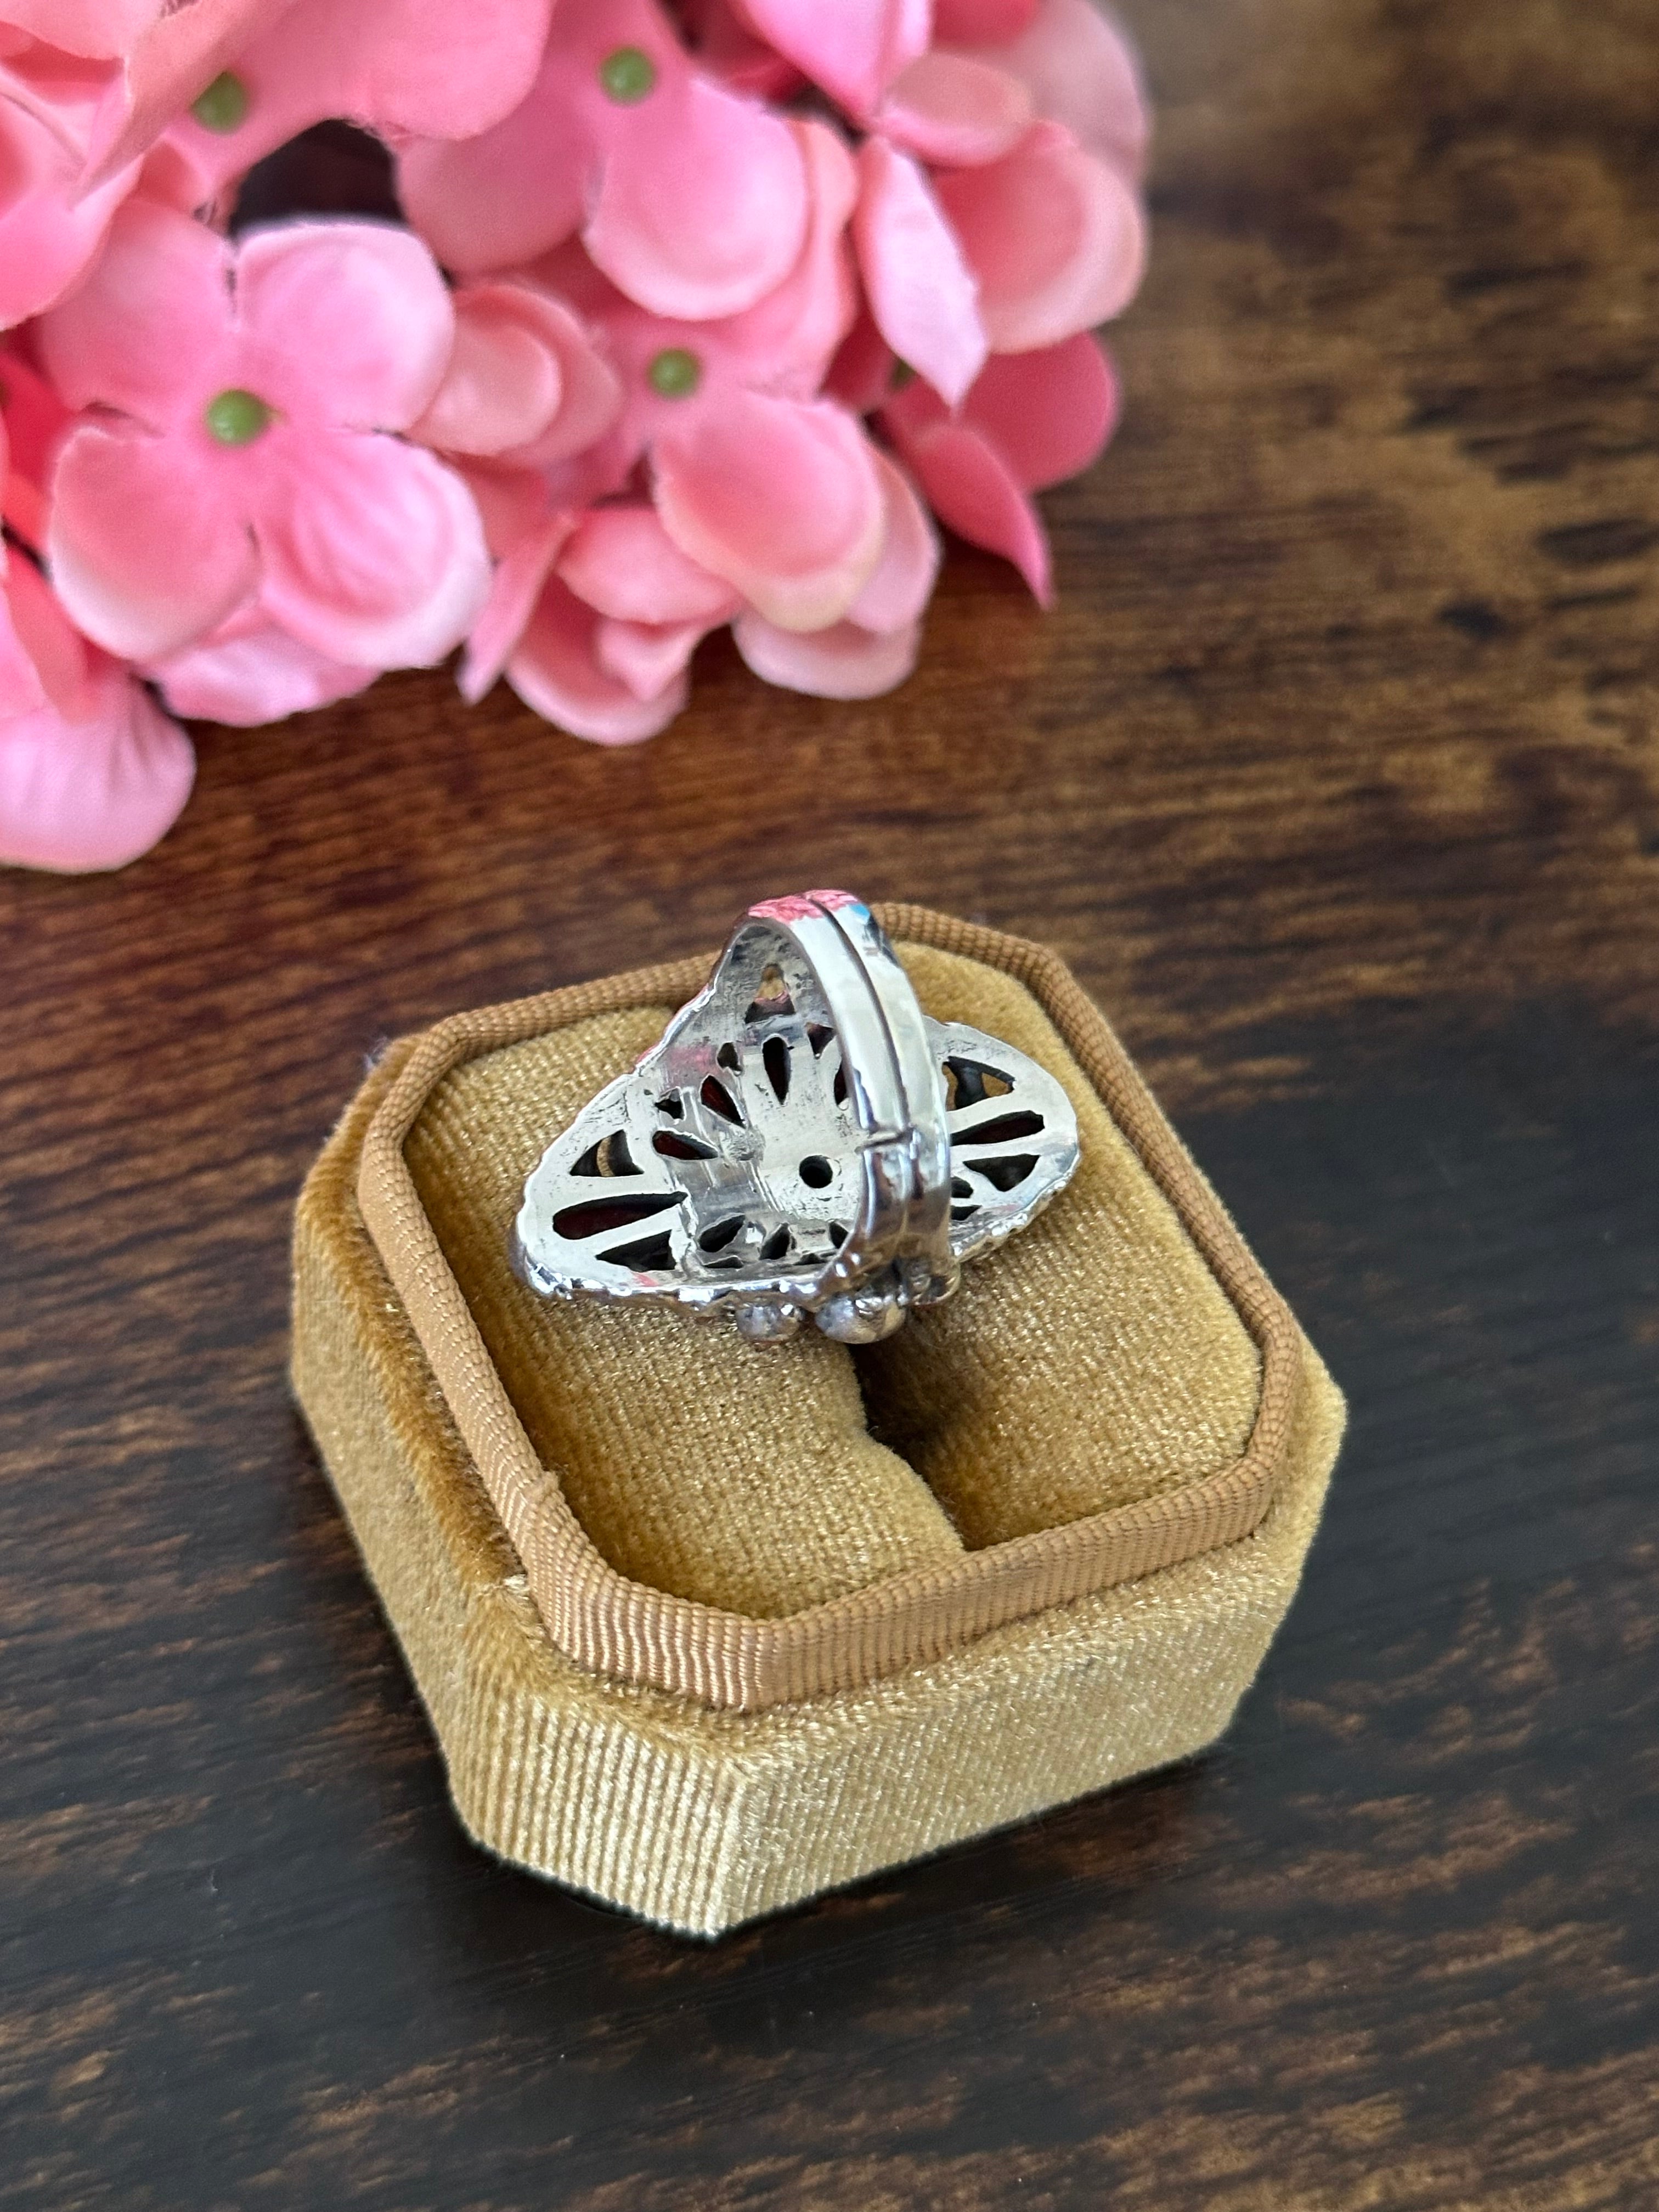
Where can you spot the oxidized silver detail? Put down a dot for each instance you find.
(803, 1141)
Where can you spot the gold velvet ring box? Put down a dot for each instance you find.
(705, 1628)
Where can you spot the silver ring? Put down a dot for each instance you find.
(803, 1141)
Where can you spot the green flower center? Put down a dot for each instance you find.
(237, 418)
(675, 373)
(627, 75)
(223, 105)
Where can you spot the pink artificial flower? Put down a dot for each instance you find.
(983, 227)
(767, 505)
(692, 200)
(753, 477)
(251, 386)
(524, 380)
(86, 87)
(1032, 419)
(91, 771)
(1006, 256)
(429, 68)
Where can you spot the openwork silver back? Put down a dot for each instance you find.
(803, 1141)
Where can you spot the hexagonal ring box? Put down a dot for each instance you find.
(704, 1629)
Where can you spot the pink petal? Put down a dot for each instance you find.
(145, 547)
(520, 576)
(151, 329)
(606, 470)
(101, 27)
(1081, 71)
(21, 687)
(504, 196)
(516, 502)
(779, 496)
(973, 491)
(347, 323)
(167, 175)
(251, 672)
(35, 423)
(862, 371)
(1048, 413)
(787, 340)
(852, 48)
(693, 198)
(372, 552)
(589, 391)
(566, 273)
(955, 110)
(503, 384)
(47, 662)
(1054, 235)
(554, 670)
(980, 22)
(437, 67)
(46, 239)
(62, 91)
(646, 656)
(903, 581)
(842, 662)
(729, 49)
(34, 418)
(511, 502)
(703, 207)
(23, 510)
(440, 68)
(95, 792)
(56, 92)
(624, 563)
(922, 292)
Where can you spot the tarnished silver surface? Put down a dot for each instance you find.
(804, 1141)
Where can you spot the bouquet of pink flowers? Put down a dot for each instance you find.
(686, 312)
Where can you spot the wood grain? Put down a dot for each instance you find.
(1335, 777)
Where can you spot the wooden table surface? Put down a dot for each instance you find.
(1336, 776)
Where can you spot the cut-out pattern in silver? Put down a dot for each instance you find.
(802, 1141)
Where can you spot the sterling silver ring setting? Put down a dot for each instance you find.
(802, 1143)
